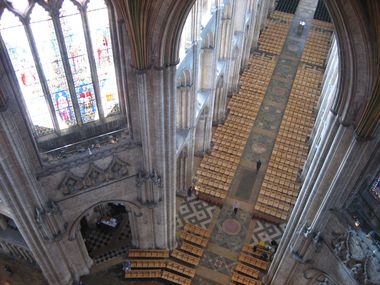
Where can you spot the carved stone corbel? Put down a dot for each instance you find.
(49, 221)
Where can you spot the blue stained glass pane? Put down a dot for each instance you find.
(72, 28)
(51, 61)
(26, 73)
(102, 48)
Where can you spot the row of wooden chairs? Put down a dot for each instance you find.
(189, 248)
(175, 278)
(193, 229)
(217, 170)
(273, 37)
(274, 202)
(317, 47)
(148, 253)
(280, 187)
(185, 270)
(253, 261)
(284, 194)
(270, 193)
(148, 263)
(270, 211)
(143, 273)
(185, 257)
(241, 279)
(323, 24)
(282, 15)
(281, 183)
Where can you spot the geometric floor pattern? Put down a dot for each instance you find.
(194, 211)
(97, 239)
(223, 237)
(217, 262)
(267, 231)
(198, 280)
(122, 251)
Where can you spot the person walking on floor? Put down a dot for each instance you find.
(235, 207)
(258, 165)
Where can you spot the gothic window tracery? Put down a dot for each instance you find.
(63, 60)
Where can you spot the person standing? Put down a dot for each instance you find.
(235, 207)
(258, 165)
(189, 191)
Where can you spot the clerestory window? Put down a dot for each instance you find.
(61, 53)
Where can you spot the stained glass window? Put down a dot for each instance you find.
(71, 22)
(23, 64)
(97, 15)
(51, 62)
(63, 60)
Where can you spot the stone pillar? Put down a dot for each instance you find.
(156, 96)
(249, 33)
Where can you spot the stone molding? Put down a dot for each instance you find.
(95, 176)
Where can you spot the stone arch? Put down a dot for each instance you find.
(201, 143)
(183, 171)
(184, 79)
(227, 11)
(220, 100)
(356, 59)
(131, 207)
(183, 96)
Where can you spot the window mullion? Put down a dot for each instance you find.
(41, 74)
(118, 57)
(94, 73)
(66, 66)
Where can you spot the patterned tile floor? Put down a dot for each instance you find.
(196, 212)
(230, 230)
(266, 232)
(217, 262)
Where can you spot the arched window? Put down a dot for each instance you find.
(61, 53)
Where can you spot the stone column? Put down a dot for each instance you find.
(249, 33)
(156, 96)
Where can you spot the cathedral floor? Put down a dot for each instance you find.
(231, 232)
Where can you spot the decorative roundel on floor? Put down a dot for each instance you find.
(231, 227)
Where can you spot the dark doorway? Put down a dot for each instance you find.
(106, 231)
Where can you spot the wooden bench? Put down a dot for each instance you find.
(247, 270)
(255, 262)
(241, 279)
(185, 257)
(148, 253)
(138, 263)
(191, 249)
(175, 278)
(174, 266)
(197, 230)
(150, 273)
